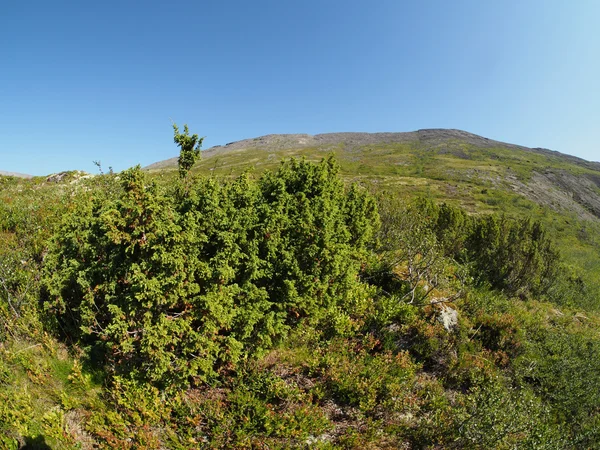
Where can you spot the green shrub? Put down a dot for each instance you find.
(354, 376)
(174, 284)
(564, 369)
(513, 255)
(412, 262)
(498, 416)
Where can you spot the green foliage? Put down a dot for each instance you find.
(260, 312)
(452, 227)
(515, 256)
(190, 149)
(17, 284)
(255, 408)
(496, 416)
(550, 354)
(410, 251)
(173, 287)
(564, 368)
(38, 401)
(355, 375)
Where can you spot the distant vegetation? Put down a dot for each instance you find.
(291, 308)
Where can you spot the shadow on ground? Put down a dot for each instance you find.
(36, 443)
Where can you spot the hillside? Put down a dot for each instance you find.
(478, 174)
(421, 290)
(549, 178)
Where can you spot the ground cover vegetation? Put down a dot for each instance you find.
(288, 308)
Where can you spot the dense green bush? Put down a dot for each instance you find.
(512, 255)
(564, 369)
(499, 416)
(173, 284)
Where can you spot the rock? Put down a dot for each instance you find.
(314, 440)
(72, 176)
(56, 177)
(448, 317)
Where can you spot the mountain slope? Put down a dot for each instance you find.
(14, 174)
(347, 141)
(430, 138)
(478, 174)
(548, 178)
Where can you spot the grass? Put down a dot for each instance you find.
(42, 394)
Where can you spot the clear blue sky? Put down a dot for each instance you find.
(83, 81)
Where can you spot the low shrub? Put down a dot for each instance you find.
(179, 283)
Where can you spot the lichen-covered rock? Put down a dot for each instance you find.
(448, 317)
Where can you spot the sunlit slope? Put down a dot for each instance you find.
(448, 164)
(479, 174)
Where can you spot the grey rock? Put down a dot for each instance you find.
(56, 177)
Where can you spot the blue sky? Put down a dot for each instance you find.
(84, 81)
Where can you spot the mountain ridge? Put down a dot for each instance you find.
(350, 140)
(14, 174)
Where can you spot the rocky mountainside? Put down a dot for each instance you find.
(428, 138)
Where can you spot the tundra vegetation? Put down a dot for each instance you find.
(285, 309)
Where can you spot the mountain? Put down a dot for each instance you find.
(347, 141)
(429, 138)
(14, 174)
(443, 158)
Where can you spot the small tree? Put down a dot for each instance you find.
(515, 256)
(410, 249)
(190, 149)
